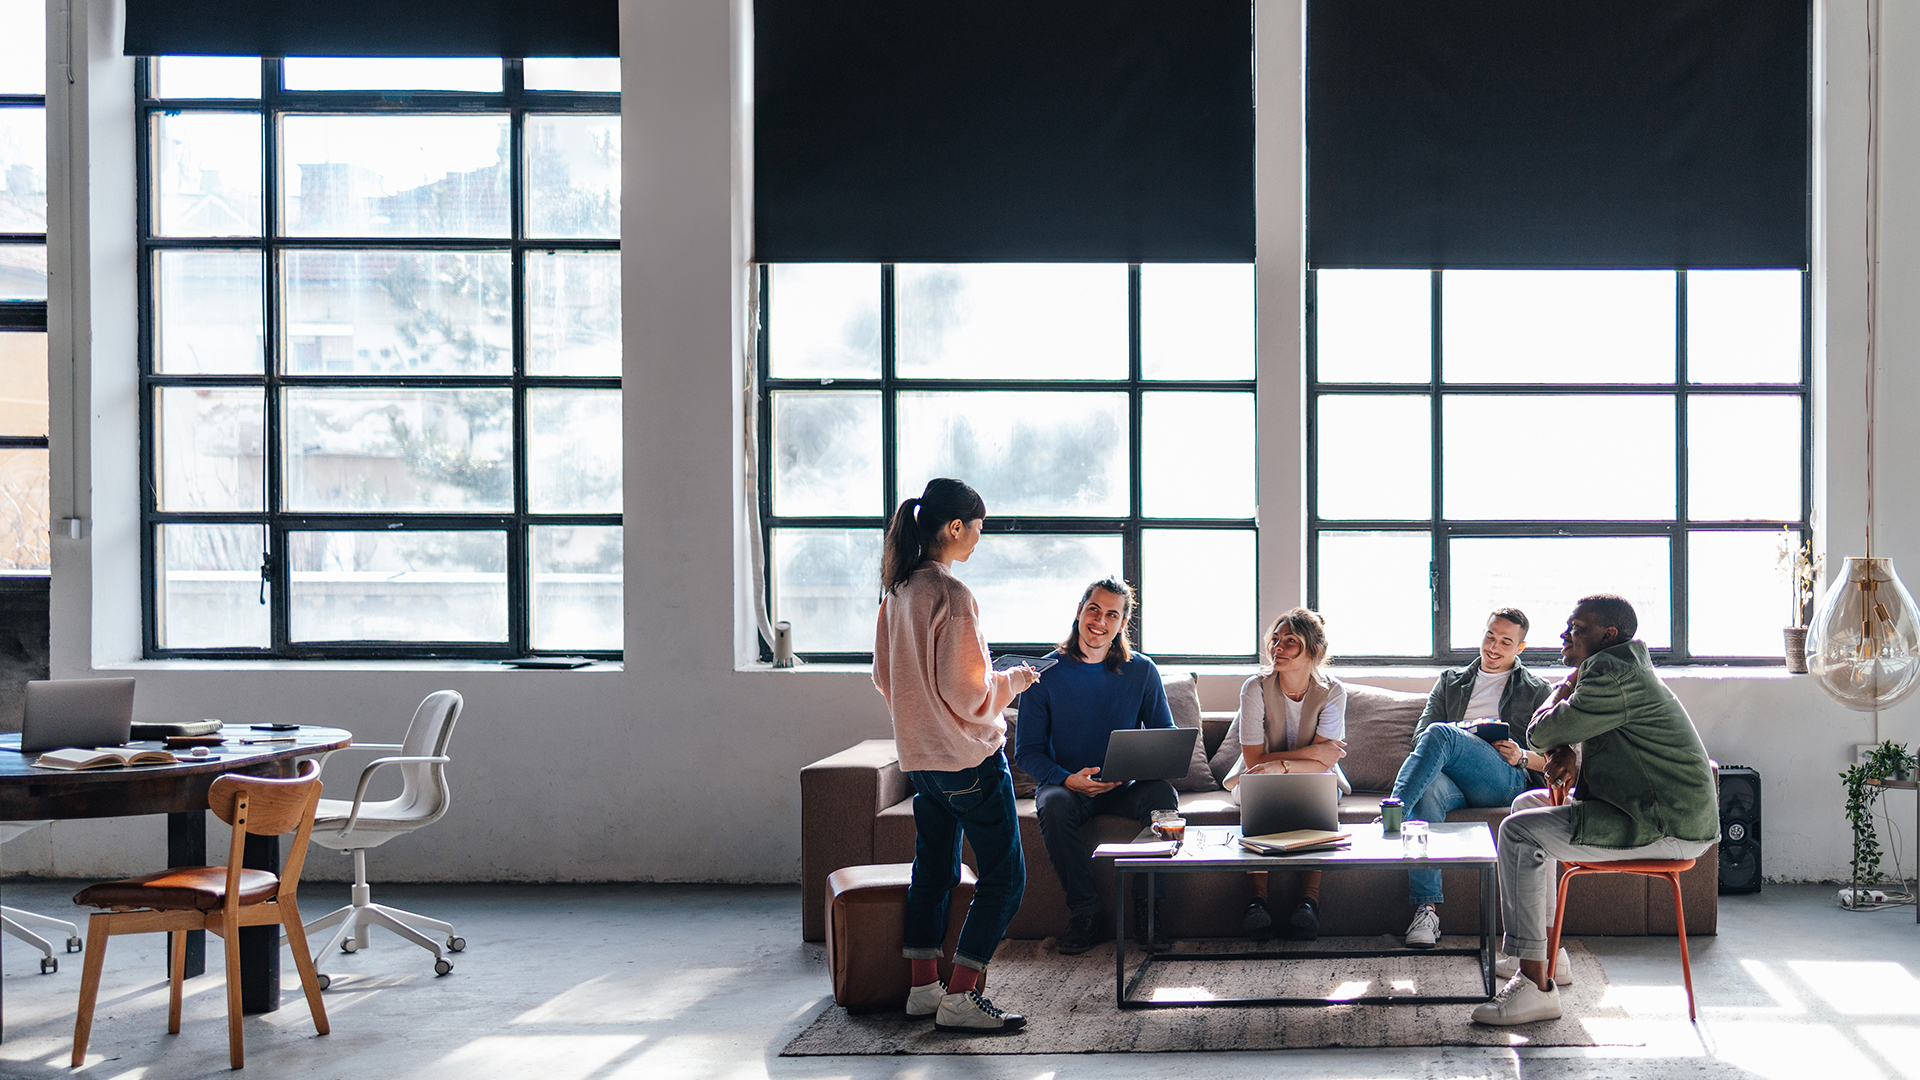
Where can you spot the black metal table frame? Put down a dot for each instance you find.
(1123, 988)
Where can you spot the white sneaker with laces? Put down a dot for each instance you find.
(1519, 1002)
(970, 1012)
(924, 1001)
(1508, 966)
(1425, 931)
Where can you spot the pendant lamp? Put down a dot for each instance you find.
(1864, 646)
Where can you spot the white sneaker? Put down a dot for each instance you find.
(970, 1012)
(923, 1001)
(1508, 966)
(1425, 931)
(1519, 1002)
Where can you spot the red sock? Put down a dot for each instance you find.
(925, 971)
(964, 979)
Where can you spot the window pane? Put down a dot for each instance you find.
(210, 588)
(576, 586)
(573, 176)
(1012, 321)
(1743, 458)
(826, 454)
(573, 451)
(1375, 457)
(399, 450)
(1029, 584)
(826, 582)
(1026, 453)
(823, 320)
(23, 170)
(209, 311)
(1565, 326)
(1197, 455)
(1199, 592)
(208, 173)
(394, 175)
(23, 48)
(207, 77)
(1375, 593)
(1743, 326)
(599, 74)
(398, 312)
(23, 383)
(398, 586)
(573, 313)
(1544, 575)
(1373, 325)
(23, 271)
(1737, 599)
(1196, 321)
(391, 73)
(1485, 436)
(24, 511)
(210, 440)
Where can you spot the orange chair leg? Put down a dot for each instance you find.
(1686, 962)
(1559, 917)
(97, 934)
(176, 974)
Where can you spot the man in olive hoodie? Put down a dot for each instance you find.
(1645, 791)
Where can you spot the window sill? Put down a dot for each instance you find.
(1693, 672)
(468, 666)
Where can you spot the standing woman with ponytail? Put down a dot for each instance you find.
(930, 662)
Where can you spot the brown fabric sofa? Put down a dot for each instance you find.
(856, 807)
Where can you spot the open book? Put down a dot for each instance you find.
(1283, 843)
(109, 757)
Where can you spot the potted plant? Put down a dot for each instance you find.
(1800, 566)
(1888, 761)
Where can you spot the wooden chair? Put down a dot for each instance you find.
(218, 898)
(1670, 869)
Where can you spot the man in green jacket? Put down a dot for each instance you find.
(1645, 791)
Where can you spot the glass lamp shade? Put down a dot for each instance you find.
(1864, 645)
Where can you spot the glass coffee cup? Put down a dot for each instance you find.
(1169, 825)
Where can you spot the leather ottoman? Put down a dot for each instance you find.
(866, 928)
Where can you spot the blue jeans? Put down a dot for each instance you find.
(1061, 814)
(1450, 768)
(976, 803)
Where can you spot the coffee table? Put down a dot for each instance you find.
(1454, 844)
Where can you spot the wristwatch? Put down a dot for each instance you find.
(1286, 766)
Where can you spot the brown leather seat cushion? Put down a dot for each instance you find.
(183, 888)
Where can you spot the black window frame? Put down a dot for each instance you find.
(1440, 530)
(274, 102)
(30, 317)
(889, 385)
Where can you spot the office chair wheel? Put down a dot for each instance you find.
(349, 945)
(442, 967)
(456, 944)
(323, 979)
(74, 944)
(48, 965)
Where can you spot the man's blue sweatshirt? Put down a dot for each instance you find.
(1065, 718)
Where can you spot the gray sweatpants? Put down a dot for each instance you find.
(1532, 840)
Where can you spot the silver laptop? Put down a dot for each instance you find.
(1147, 754)
(77, 712)
(1283, 802)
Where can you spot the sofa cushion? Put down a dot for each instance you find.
(1023, 785)
(1379, 734)
(1183, 699)
(1229, 751)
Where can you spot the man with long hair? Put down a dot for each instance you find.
(1099, 686)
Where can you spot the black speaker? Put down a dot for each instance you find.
(1739, 830)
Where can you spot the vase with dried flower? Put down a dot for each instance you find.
(1799, 564)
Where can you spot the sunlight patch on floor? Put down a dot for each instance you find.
(1786, 1051)
(1897, 1046)
(549, 1057)
(1857, 988)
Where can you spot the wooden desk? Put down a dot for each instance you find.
(180, 792)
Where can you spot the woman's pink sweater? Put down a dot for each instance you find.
(930, 663)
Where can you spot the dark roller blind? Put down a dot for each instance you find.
(372, 28)
(1557, 133)
(1003, 130)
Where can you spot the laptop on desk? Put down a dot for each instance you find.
(77, 712)
(1147, 754)
(1284, 802)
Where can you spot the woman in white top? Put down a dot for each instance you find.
(1293, 718)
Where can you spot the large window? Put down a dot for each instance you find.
(1486, 438)
(380, 357)
(24, 505)
(1104, 412)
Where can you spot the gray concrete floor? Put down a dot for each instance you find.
(602, 982)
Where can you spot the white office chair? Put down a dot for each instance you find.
(358, 825)
(15, 921)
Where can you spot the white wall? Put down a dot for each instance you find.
(679, 766)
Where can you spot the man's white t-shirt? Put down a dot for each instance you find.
(1487, 688)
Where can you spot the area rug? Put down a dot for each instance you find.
(1068, 1002)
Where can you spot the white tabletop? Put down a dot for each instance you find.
(1217, 847)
